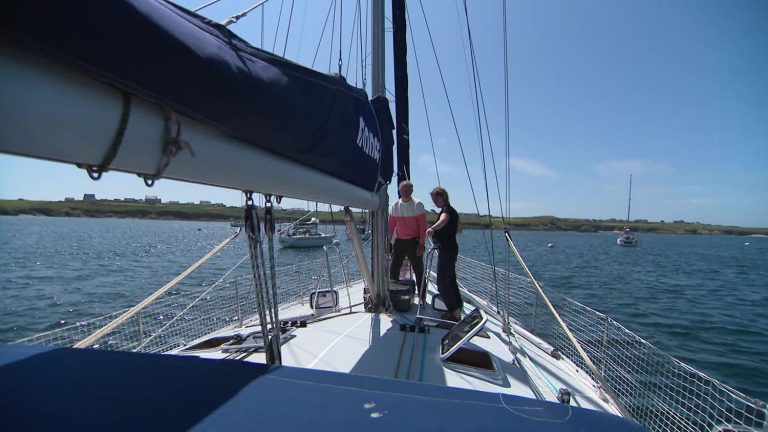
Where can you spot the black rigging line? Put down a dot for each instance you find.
(475, 74)
(506, 160)
(481, 104)
(322, 33)
(453, 119)
(464, 50)
(301, 29)
(288, 32)
(352, 39)
(277, 30)
(423, 98)
(475, 77)
(359, 60)
(341, 29)
(364, 62)
(261, 44)
(333, 34)
(506, 112)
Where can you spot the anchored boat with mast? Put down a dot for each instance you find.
(627, 237)
(332, 346)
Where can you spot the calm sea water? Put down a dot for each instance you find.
(703, 299)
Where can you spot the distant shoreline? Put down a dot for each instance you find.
(220, 213)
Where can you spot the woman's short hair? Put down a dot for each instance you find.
(442, 193)
(405, 183)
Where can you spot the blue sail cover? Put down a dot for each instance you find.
(196, 67)
(82, 389)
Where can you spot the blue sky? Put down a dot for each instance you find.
(671, 92)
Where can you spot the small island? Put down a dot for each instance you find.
(206, 211)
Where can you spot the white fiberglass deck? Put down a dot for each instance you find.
(351, 340)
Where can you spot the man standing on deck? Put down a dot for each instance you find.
(408, 223)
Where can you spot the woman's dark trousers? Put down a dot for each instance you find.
(446, 278)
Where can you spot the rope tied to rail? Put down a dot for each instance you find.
(88, 341)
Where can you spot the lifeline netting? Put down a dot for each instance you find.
(659, 391)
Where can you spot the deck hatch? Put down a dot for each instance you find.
(461, 333)
(472, 358)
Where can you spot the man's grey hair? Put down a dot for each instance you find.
(405, 183)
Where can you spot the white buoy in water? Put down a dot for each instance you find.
(551, 245)
(746, 244)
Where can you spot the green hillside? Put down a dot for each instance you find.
(115, 209)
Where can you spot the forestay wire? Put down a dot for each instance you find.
(288, 31)
(423, 97)
(322, 33)
(481, 104)
(453, 118)
(507, 195)
(352, 38)
(333, 36)
(277, 30)
(341, 29)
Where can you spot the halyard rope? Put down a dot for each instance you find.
(132, 311)
(599, 376)
(194, 302)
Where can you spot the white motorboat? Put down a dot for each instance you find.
(627, 238)
(304, 235)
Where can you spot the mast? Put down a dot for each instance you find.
(377, 49)
(629, 203)
(380, 216)
(400, 48)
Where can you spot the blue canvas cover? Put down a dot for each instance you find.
(194, 66)
(83, 389)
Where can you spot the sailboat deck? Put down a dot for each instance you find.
(351, 340)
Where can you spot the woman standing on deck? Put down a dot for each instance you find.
(443, 234)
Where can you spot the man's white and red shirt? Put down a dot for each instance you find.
(407, 220)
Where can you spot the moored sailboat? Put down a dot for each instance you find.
(627, 237)
(304, 235)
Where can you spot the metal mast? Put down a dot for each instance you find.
(629, 203)
(377, 49)
(379, 217)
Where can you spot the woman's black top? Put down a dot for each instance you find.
(445, 237)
